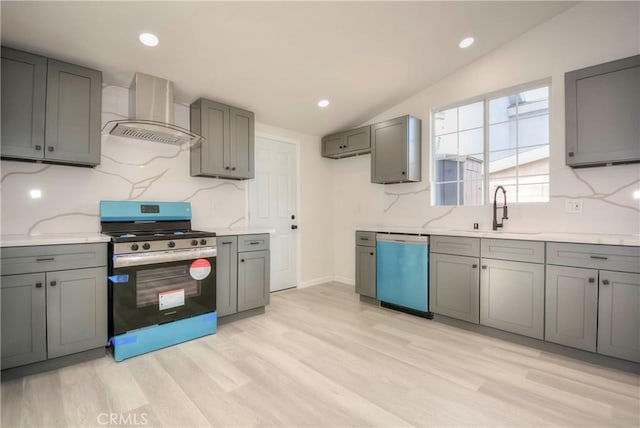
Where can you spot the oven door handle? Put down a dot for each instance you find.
(126, 260)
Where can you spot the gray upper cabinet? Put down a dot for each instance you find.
(571, 306)
(228, 148)
(602, 113)
(227, 275)
(24, 92)
(51, 110)
(74, 103)
(24, 326)
(619, 315)
(396, 150)
(348, 143)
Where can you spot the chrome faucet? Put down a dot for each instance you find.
(496, 225)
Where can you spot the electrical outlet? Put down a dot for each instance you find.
(573, 206)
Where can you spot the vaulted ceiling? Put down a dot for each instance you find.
(276, 58)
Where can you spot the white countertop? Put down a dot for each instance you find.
(243, 231)
(582, 238)
(52, 239)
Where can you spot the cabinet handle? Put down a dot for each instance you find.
(226, 167)
(475, 266)
(600, 257)
(233, 168)
(50, 148)
(592, 280)
(364, 239)
(254, 243)
(53, 283)
(45, 259)
(227, 242)
(484, 266)
(605, 282)
(38, 285)
(371, 254)
(241, 260)
(38, 147)
(403, 173)
(571, 154)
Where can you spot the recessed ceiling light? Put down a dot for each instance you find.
(466, 42)
(323, 103)
(148, 39)
(35, 194)
(636, 194)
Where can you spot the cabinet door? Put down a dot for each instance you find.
(454, 286)
(227, 276)
(76, 310)
(619, 315)
(358, 140)
(212, 122)
(24, 329)
(241, 143)
(332, 145)
(512, 297)
(24, 91)
(571, 310)
(74, 107)
(389, 159)
(366, 271)
(253, 279)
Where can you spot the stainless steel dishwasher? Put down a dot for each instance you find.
(402, 266)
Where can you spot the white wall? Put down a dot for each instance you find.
(587, 34)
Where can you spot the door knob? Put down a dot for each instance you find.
(294, 226)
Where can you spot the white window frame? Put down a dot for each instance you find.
(485, 98)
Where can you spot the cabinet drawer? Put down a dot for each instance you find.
(457, 245)
(253, 242)
(508, 249)
(48, 258)
(368, 239)
(609, 257)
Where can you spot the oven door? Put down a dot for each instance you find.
(154, 288)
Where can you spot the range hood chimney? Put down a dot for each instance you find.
(151, 108)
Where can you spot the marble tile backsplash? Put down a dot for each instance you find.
(129, 170)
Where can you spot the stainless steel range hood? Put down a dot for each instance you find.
(151, 108)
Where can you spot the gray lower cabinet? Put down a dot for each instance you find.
(396, 150)
(571, 307)
(227, 275)
(76, 310)
(54, 301)
(366, 270)
(24, 322)
(619, 315)
(454, 286)
(243, 273)
(512, 296)
(347, 143)
(253, 279)
(51, 110)
(228, 148)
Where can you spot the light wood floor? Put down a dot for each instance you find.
(320, 358)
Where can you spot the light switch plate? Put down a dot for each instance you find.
(573, 206)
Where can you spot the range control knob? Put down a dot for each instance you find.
(146, 246)
(171, 244)
(134, 247)
(194, 242)
(203, 242)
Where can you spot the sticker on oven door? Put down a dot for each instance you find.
(200, 269)
(171, 299)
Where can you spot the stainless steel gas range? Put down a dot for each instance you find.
(161, 275)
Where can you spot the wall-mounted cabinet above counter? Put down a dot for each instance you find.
(395, 147)
(228, 147)
(50, 110)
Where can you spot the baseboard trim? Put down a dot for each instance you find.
(317, 281)
(344, 280)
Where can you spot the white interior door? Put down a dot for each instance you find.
(273, 204)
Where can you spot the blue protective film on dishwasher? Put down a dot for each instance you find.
(119, 278)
